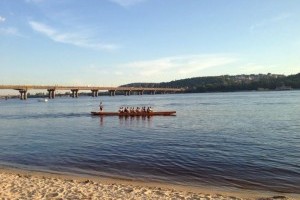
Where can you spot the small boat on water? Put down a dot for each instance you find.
(135, 114)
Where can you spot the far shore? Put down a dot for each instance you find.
(22, 184)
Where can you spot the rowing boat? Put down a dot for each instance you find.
(143, 114)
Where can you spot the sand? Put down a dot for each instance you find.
(27, 185)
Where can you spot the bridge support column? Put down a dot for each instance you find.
(23, 94)
(153, 92)
(127, 92)
(74, 93)
(112, 92)
(51, 93)
(95, 93)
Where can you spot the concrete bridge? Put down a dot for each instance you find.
(23, 89)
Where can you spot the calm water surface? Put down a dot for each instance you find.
(247, 140)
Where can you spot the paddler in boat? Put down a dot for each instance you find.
(126, 110)
(137, 110)
(121, 110)
(149, 109)
(132, 110)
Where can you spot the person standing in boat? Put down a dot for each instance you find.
(101, 106)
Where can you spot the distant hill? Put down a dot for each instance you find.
(227, 83)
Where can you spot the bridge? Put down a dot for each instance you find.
(23, 89)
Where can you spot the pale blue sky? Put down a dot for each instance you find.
(113, 42)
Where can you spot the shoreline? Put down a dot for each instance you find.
(18, 183)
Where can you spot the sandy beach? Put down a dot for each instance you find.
(31, 185)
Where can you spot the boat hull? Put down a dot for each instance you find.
(145, 114)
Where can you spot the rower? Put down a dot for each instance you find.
(132, 110)
(150, 109)
(126, 110)
(137, 109)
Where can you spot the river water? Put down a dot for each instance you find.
(248, 140)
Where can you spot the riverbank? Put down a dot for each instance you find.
(18, 184)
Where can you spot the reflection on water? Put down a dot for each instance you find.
(135, 121)
(129, 120)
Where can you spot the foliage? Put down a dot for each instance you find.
(228, 83)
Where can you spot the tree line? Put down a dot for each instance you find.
(227, 83)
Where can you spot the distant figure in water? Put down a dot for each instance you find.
(101, 106)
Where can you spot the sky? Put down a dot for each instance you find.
(115, 42)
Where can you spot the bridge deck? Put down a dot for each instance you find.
(57, 87)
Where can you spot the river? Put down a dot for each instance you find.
(248, 140)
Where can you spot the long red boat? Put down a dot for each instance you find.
(143, 114)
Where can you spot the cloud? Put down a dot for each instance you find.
(127, 3)
(10, 31)
(2, 19)
(76, 39)
(187, 65)
(156, 70)
(272, 20)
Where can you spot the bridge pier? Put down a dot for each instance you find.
(95, 93)
(153, 92)
(23, 94)
(74, 93)
(140, 92)
(127, 92)
(51, 93)
(112, 92)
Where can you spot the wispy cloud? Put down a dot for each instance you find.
(156, 70)
(2, 19)
(272, 20)
(10, 31)
(126, 3)
(76, 39)
(187, 65)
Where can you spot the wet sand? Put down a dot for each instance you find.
(18, 184)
